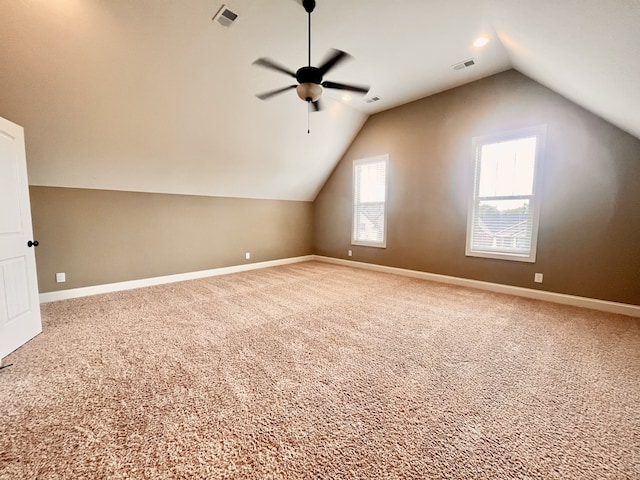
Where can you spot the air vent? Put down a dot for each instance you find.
(372, 99)
(225, 17)
(465, 64)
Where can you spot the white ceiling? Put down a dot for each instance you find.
(152, 95)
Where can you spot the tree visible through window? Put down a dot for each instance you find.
(503, 214)
(369, 201)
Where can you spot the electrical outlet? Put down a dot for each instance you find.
(247, 255)
(537, 278)
(61, 277)
(350, 253)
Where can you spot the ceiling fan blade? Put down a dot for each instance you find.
(267, 63)
(267, 95)
(344, 86)
(317, 105)
(335, 57)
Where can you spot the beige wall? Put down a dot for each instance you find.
(100, 236)
(589, 237)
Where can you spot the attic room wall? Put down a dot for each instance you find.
(589, 234)
(100, 236)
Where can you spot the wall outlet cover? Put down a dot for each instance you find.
(537, 278)
(61, 277)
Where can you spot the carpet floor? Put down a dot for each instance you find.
(316, 371)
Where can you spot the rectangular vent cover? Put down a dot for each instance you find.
(465, 64)
(372, 99)
(225, 17)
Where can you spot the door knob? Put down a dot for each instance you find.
(32, 244)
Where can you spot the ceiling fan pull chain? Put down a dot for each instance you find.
(308, 117)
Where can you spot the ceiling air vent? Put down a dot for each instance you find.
(465, 64)
(225, 17)
(372, 99)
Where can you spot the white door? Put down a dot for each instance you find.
(19, 305)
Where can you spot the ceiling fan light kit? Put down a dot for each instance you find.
(310, 79)
(309, 92)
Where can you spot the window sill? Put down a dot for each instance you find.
(514, 257)
(369, 244)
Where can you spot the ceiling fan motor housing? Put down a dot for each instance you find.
(309, 75)
(309, 79)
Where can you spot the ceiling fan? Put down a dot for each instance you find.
(309, 78)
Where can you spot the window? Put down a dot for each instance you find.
(369, 202)
(504, 209)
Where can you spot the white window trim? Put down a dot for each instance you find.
(362, 161)
(540, 132)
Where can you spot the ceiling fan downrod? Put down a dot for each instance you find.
(309, 6)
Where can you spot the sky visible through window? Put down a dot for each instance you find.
(507, 169)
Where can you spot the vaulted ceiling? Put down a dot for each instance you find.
(154, 96)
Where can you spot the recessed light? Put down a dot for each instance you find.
(480, 42)
(346, 98)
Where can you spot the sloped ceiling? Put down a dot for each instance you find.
(153, 96)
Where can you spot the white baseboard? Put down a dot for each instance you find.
(148, 282)
(592, 303)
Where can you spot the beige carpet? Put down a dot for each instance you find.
(316, 371)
